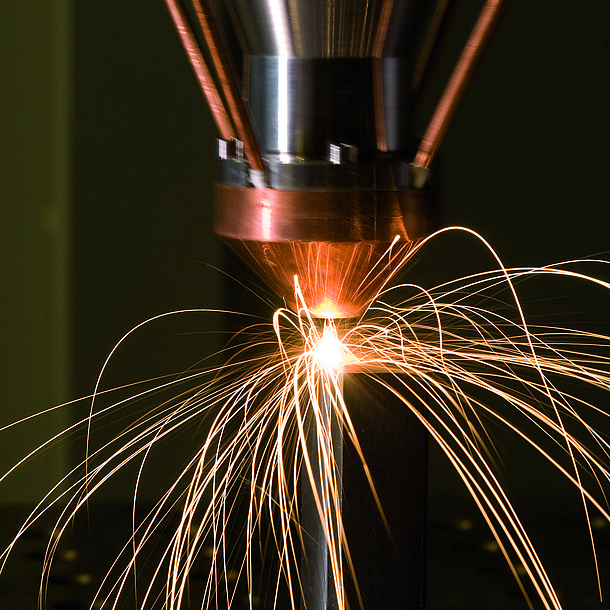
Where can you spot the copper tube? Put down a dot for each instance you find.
(221, 59)
(378, 90)
(382, 28)
(429, 45)
(457, 84)
(378, 93)
(219, 112)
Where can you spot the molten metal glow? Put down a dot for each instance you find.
(326, 310)
(330, 352)
(261, 409)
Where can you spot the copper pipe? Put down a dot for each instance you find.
(378, 92)
(457, 84)
(221, 59)
(382, 28)
(424, 60)
(219, 112)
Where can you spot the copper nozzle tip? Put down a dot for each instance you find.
(335, 280)
(341, 246)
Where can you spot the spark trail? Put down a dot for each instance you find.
(235, 501)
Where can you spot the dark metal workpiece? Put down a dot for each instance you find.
(390, 567)
(315, 570)
(389, 564)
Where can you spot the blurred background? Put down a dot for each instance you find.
(106, 171)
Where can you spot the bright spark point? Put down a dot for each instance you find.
(329, 351)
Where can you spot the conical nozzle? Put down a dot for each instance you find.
(339, 247)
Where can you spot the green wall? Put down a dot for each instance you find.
(35, 210)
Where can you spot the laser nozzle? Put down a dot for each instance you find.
(342, 245)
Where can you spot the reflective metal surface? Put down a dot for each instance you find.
(300, 105)
(327, 28)
(329, 71)
(272, 215)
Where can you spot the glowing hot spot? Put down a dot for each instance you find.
(329, 351)
(326, 309)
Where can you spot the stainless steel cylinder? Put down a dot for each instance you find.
(300, 105)
(328, 71)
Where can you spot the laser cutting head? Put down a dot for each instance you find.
(327, 91)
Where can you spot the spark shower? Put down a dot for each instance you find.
(465, 349)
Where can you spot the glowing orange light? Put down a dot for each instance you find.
(326, 309)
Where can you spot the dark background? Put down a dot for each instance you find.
(107, 146)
